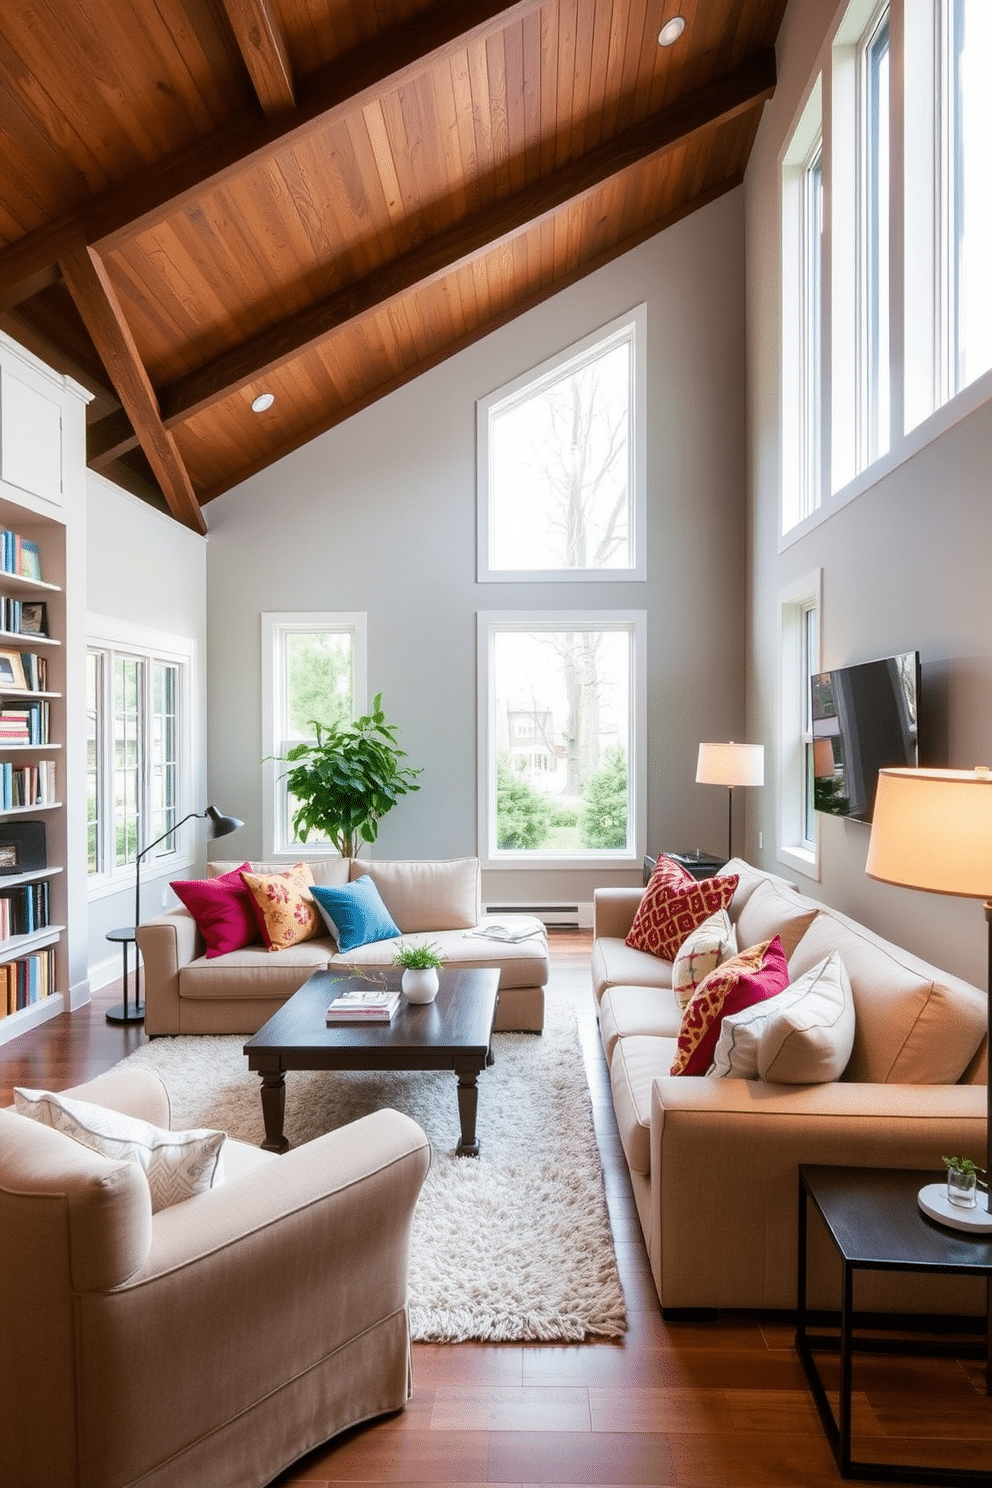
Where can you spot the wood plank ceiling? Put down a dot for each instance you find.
(203, 200)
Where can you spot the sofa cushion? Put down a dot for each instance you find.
(774, 909)
(637, 1062)
(666, 915)
(809, 1027)
(700, 953)
(616, 964)
(442, 895)
(629, 1011)
(177, 1164)
(748, 977)
(355, 913)
(283, 905)
(223, 909)
(748, 878)
(330, 870)
(913, 1024)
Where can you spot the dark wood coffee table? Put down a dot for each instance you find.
(453, 1032)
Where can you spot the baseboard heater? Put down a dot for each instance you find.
(551, 914)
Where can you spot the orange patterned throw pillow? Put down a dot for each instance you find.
(284, 906)
(673, 905)
(752, 976)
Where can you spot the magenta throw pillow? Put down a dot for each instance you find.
(223, 910)
(749, 977)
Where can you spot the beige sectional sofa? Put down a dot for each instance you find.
(188, 992)
(713, 1162)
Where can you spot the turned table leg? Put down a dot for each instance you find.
(274, 1110)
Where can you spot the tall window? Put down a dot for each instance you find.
(967, 194)
(802, 315)
(811, 372)
(136, 711)
(561, 728)
(314, 669)
(561, 464)
(800, 609)
(874, 278)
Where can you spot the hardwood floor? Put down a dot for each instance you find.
(720, 1404)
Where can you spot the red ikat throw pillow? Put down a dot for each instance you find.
(672, 908)
(752, 976)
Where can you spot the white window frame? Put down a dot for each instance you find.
(489, 622)
(804, 283)
(277, 833)
(875, 254)
(115, 638)
(800, 605)
(631, 327)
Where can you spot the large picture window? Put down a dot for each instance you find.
(967, 198)
(137, 753)
(313, 668)
(561, 464)
(562, 718)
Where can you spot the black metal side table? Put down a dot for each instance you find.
(874, 1221)
(125, 1012)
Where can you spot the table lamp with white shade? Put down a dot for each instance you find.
(932, 830)
(730, 764)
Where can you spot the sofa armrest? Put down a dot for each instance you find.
(613, 911)
(724, 1161)
(167, 943)
(132, 1092)
(281, 1272)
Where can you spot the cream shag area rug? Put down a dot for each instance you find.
(511, 1246)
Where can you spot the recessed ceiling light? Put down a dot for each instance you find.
(262, 402)
(671, 31)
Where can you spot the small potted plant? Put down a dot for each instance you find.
(421, 964)
(962, 1181)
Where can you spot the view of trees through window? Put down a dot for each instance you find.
(319, 673)
(561, 716)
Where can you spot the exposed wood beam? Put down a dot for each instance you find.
(108, 439)
(747, 87)
(261, 44)
(97, 302)
(341, 87)
(434, 359)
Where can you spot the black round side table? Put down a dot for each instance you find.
(123, 1012)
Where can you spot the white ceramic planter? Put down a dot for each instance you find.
(420, 984)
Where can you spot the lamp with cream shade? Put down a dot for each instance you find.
(730, 764)
(932, 830)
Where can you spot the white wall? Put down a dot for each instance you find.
(905, 566)
(147, 570)
(379, 515)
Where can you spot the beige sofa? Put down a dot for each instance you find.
(187, 992)
(213, 1342)
(713, 1162)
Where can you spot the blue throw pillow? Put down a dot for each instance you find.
(355, 913)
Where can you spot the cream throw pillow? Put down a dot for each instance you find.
(177, 1164)
(802, 1036)
(701, 952)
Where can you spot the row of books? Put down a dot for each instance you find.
(27, 785)
(19, 555)
(24, 909)
(29, 723)
(23, 671)
(27, 980)
(23, 616)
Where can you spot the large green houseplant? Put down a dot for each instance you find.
(346, 781)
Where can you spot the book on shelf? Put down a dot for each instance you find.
(27, 980)
(20, 555)
(27, 785)
(363, 1007)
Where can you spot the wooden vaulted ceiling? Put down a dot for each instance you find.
(202, 200)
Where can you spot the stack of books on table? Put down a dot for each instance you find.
(371, 1006)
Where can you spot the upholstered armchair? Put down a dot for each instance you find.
(213, 1342)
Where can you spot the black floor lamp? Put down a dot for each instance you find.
(218, 825)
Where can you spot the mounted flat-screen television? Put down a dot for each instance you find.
(865, 718)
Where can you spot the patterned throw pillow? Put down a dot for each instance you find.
(355, 913)
(746, 978)
(670, 910)
(223, 909)
(700, 953)
(284, 906)
(177, 1164)
(803, 1035)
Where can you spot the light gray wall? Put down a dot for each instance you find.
(380, 515)
(905, 566)
(148, 570)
